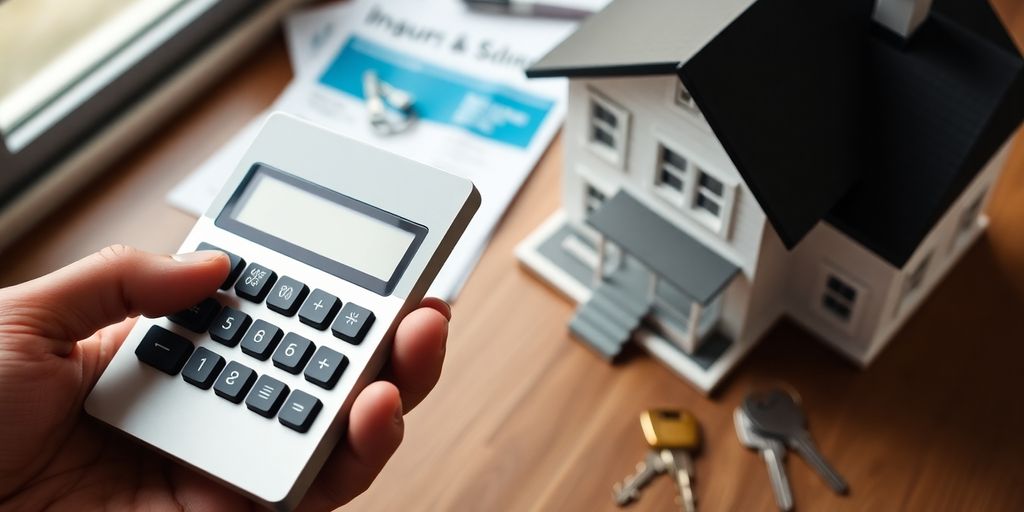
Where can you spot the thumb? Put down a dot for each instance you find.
(116, 282)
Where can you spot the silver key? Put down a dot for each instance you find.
(680, 465)
(629, 489)
(776, 414)
(774, 454)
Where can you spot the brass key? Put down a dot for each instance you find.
(676, 435)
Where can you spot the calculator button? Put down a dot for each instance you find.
(234, 382)
(164, 350)
(319, 309)
(299, 411)
(255, 283)
(325, 368)
(230, 326)
(202, 368)
(237, 264)
(261, 339)
(286, 296)
(266, 396)
(352, 323)
(197, 318)
(293, 352)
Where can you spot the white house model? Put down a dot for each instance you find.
(731, 161)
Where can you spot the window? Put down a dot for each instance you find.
(839, 298)
(709, 194)
(607, 131)
(684, 99)
(912, 281)
(671, 177)
(969, 218)
(593, 199)
(686, 185)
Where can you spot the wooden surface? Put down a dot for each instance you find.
(524, 418)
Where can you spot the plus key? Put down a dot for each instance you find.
(325, 367)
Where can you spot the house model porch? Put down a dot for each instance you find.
(731, 162)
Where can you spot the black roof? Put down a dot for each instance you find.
(828, 116)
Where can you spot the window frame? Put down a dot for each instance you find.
(58, 130)
(913, 281)
(687, 199)
(619, 133)
(822, 291)
(687, 104)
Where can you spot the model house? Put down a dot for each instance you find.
(728, 162)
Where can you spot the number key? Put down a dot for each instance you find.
(261, 339)
(266, 396)
(293, 352)
(237, 264)
(287, 295)
(229, 326)
(234, 382)
(163, 350)
(197, 318)
(319, 309)
(255, 283)
(202, 368)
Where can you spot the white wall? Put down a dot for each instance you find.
(655, 118)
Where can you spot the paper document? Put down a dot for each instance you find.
(478, 115)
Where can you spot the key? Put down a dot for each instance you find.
(776, 414)
(629, 489)
(676, 434)
(774, 454)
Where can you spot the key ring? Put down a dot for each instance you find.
(391, 109)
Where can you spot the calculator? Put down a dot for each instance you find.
(331, 242)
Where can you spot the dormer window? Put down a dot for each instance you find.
(608, 130)
(684, 99)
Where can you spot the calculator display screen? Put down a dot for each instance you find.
(322, 227)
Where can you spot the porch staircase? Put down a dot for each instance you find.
(606, 322)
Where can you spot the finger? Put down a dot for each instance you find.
(441, 306)
(375, 430)
(418, 354)
(75, 301)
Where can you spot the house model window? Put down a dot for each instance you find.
(684, 99)
(686, 185)
(839, 299)
(913, 281)
(969, 219)
(593, 200)
(672, 175)
(608, 128)
(710, 195)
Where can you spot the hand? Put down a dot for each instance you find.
(56, 338)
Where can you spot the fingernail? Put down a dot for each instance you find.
(197, 257)
(398, 415)
(447, 309)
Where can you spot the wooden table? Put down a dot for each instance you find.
(525, 418)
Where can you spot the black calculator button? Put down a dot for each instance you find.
(202, 368)
(352, 323)
(164, 350)
(319, 309)
(293, 352)
(286, 296)
(237, 264)
(229, 326)
(197, 318)
(234, 382)
(261, 339)
(255, 283)
(266, 396)
(299, 411)
(325, 368)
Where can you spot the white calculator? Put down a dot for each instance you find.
(331, 243)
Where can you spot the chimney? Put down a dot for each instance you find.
(902, 16)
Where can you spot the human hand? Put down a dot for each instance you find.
(56, 338)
